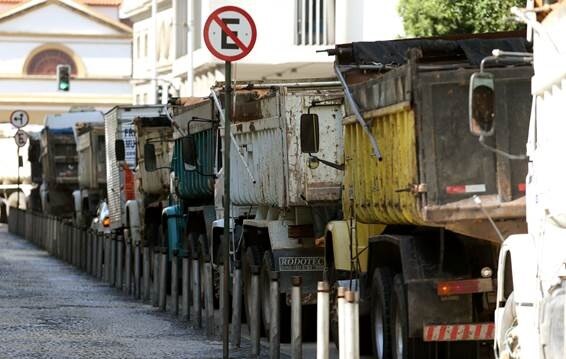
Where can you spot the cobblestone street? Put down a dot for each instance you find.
(48, 309)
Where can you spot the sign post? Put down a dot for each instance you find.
(19, 119)
(229, 34)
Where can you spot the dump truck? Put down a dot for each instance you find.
(194, 166)
(288, 203)
(531, 287)
(425, 203)
(151, 191)
(60, 161)
(121, 158)
(92, 171)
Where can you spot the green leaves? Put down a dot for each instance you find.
(445, 17)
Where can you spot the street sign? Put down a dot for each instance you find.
(19, 118)
(21, 138)
(229, 33)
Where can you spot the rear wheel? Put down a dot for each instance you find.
(399, 320)
(381, 312)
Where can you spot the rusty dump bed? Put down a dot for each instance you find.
(414, 96)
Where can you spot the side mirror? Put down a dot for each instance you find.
(482, 104)
(189, 151)
(149, 159)
(309, 133)
(120, 150)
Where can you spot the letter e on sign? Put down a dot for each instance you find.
(229, 33)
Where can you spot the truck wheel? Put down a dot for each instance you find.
(399, 320)
(381, 312)
(284, 310)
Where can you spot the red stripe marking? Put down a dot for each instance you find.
(229, 33)
(489, 334)
(454, 334)
(466, 332)
(442, 332)
(455, 189)
(477, 332)
(429, 331)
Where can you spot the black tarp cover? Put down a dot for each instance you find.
(395, 52)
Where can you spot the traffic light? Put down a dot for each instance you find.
(159, 95)
(63, 77)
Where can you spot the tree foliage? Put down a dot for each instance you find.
(444, 17)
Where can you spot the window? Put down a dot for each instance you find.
(137, 47)
(197, 25)
(315, 22)
(45, 62)
(145, 43)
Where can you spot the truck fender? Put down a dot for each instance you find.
(77, 200)
(133, 214)
(338, 233)
(518, 263)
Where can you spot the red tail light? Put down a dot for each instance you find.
(467, 286)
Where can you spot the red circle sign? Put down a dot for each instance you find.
(229, 33)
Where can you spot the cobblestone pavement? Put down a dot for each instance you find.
(48, 309)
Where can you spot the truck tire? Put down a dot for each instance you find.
(284, 309)
(399, 320)
(382, 281)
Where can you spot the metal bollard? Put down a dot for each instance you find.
(88, 252)
(322, 320)
(146, 274)
(350, 342)
(197, 305)
(357, 325)
(185, 299)
(107, 246)
(255, 313)
(113, 257)
(237, 307)
(137, 270)
(163, 280)
(296, 320)
(274, 320)
(99, 255)
(155, 292)
(175, 282)
(341, 323)
(208, 298)
(119, 262)
(127, 286)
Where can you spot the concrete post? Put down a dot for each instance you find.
(100, 240)
(322, 320)
(350, 342)
(112, 263)
(88, 251)
(274, 320)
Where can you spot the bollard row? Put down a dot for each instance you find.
(153, 274)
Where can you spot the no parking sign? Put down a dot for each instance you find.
(229, 33)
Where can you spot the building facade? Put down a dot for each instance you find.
(168, 43)
(38, 35)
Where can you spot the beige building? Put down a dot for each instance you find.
(37, 35)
